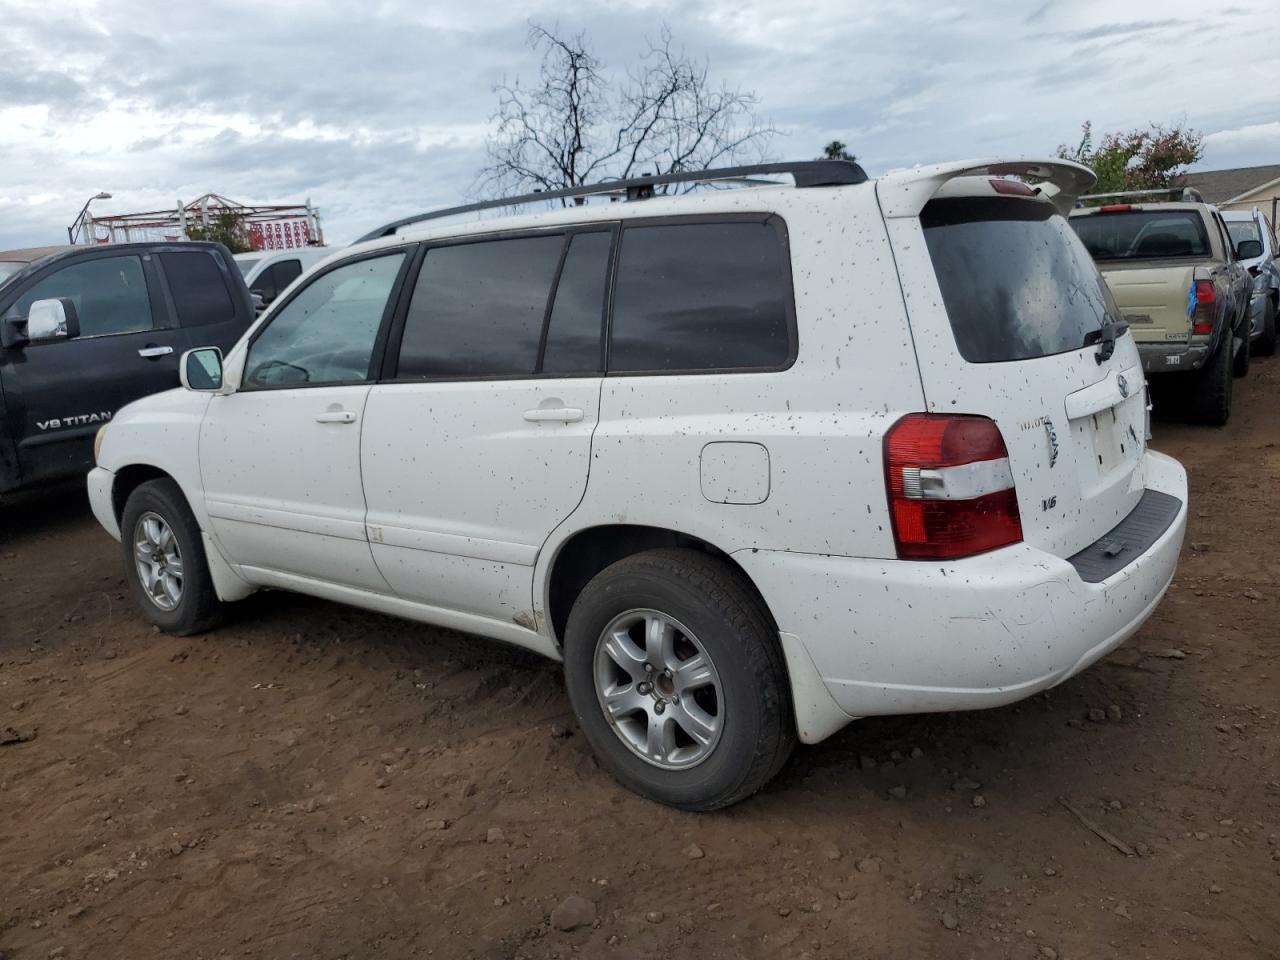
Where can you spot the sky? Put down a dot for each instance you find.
(381, 109)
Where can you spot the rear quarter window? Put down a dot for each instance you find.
(697, 297)
(1016, 282)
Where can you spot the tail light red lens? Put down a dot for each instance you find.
(950, 487)
(1206, 297)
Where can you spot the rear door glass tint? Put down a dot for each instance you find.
(702, 297)
(577, 317)
(200, 293)
(477, 308)
(1016, 281)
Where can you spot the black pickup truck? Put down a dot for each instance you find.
(86, 330)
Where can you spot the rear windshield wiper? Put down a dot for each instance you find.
(1106, 336)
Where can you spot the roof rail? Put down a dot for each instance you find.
(1183, 194)
(807, 173)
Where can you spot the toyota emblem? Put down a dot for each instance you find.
(1123, 384)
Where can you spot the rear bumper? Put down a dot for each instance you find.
(1172, 357)
(892, 637)
(100, 484)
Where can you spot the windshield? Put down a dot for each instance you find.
(1243, 230)
(1016, 282)
(9, 267)
(1143, 234)
(247, 265)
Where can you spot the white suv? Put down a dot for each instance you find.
(752, 462)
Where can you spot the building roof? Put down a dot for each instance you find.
(1219, 186)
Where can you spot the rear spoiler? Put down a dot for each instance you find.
(904, 193)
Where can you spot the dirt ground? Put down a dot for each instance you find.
(312, 781)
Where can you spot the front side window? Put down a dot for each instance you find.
(477, 308)
(109, 293)
(327, 332)
(701, 296)
(200, 294)
(1243, 230)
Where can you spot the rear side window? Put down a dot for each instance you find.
(1016, 282)
(577, 316)
(1143, 234)
(477, 308)
(286, 271)
(701, 297)
(200, 294)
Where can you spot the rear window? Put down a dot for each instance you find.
(1143, 234)
(200, 293)
(1015, 280)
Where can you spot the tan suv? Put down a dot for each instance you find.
(1174, 275)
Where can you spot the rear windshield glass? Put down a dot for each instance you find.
(1015, 280)
(1143, 234)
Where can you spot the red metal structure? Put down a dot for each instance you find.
(267, 227)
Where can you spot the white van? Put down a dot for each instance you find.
(268, 272)
(752, 462)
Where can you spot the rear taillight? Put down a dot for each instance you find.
(950, 487)
(1206, 297)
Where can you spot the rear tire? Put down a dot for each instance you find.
(1210, 399)
(1265, 345)
(164, 560)
(1240, 360)
(741, 710)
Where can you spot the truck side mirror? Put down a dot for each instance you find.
(54, 319)
(1248, 249)
(201, 370)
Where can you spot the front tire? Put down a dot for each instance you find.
(675, 674)
(164, 560)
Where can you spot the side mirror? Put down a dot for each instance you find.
(201, 370)
(1248, 249)
(52, 320)
(259, 301)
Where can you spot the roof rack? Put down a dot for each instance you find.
(1182, 194)
(807, 173)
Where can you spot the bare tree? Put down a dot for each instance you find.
(578, 126)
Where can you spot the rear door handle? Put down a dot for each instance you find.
(553, 415)
(151, 351)
(336, 416)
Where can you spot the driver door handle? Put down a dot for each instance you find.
(336, 416)
(151, 351)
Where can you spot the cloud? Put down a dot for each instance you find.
(382, 112)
